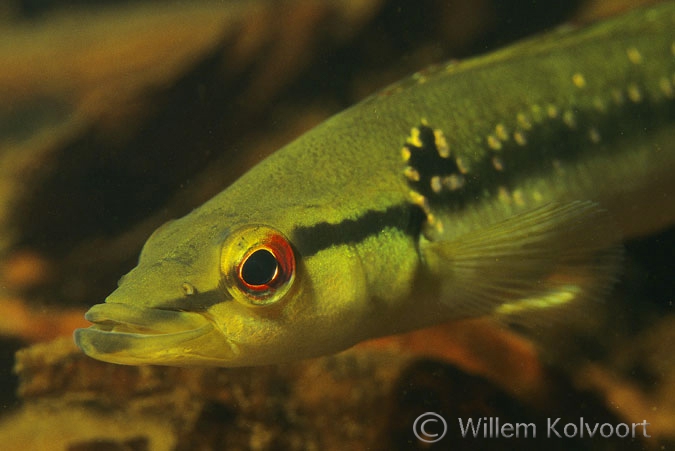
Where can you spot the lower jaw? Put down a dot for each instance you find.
(188, 348)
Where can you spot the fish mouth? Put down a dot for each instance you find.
(132, 335)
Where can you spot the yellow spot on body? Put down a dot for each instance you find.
(599, 105)
(618, 97)
(552, 111)
(569, 119)
(414, 138)
(494, 143)
(536, 195)
(405, 154)
(666, 87)
(394, 90)
(501, 132)
(503, 195)
(422, 202)
(411, 174)
(594, 135)
(634, 55)
(461, 165)
(453, 182)
(441, 144)
(436, 185)
(634, 93)
(537, 114)
(435, 223)
(419, 78)
(419, 200)
(518, 198)
(557, 165)
(523, 121)
(564, 296)
(578, 80)
(519, 138)
(498, 163)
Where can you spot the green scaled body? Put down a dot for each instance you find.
(499, 185)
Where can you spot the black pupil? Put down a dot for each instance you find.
(259, 268)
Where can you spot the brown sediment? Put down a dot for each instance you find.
(358, 399)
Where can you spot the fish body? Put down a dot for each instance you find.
(499, 185)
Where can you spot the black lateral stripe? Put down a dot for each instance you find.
(309, 240)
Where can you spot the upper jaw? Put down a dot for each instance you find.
(128, 319)
(131, 335)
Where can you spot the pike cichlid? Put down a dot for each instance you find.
(501, 185)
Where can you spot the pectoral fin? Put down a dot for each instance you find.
(530, 267)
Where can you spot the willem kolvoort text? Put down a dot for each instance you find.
(491, 427)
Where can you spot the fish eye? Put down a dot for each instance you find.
(259, 268)
(258, 265)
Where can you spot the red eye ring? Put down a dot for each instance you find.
(257, 264)
(259, 270)
(267, 266)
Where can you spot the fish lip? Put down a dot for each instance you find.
(113, 317)
(130, 335)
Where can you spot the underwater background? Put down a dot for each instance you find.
(117, 116)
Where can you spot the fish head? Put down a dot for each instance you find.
(236, 295)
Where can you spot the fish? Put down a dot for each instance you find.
(501, 186)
